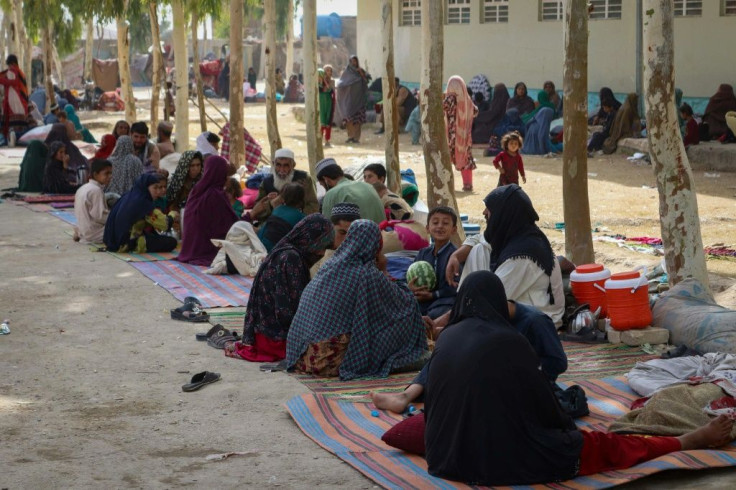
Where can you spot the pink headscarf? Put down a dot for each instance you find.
(466, 111)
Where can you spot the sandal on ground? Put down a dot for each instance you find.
(221, 337)
(192, 300)
(190, 312)
(201, 379)
(586, 335)
(273, 367)
(203, 337)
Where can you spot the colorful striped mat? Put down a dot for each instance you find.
(133, 257)
(232, 320)
(47, 198)
(348, 431)
(67, 216)
(182, 280)
(585, 361)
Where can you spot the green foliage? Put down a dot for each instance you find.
(67, 18)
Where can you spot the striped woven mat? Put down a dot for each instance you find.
(585, 361)
(349, 431)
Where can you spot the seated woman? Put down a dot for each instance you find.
(719, 104)
(74, 119)
(32, 167)
(352, 320)
(208, 214)
(107, 145)
(126, 167)
(277, 289)
(71, 131)
(55, 175)
(134, 222)
(121, 128)
(486, 122)
(537, 140)
(284, 217)
(187, 174)
(626, 124)
(542, 102)
(599, 137)
(516, 250)
(516, 433)
(76, 159)
(521, 100)
(606, 98)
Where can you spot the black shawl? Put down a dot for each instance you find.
(512, 232)
(491, 416)
(54, 176)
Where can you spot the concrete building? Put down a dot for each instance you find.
(522, 40)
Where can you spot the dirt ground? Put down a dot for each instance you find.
(90, 392)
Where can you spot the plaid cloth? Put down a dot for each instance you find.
(349, 295)
(252, 148)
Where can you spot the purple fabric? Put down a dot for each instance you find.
(208, 214)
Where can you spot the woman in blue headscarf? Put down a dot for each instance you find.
(72, 116)
(537, 140)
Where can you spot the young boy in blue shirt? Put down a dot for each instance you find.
(441, 225)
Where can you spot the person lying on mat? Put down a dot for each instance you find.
(277, 290)
(208, 214)
(539, 330)
(491, 417)
(134, 221)
(90, 207)
(516, 250)
(352, 320)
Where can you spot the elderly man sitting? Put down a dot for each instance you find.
(283, 173)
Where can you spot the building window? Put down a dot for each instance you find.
(606, 9)
(458, 11)
(550, 10)
(688, 8)
(495, 11)
(728, 7)
(411, 12)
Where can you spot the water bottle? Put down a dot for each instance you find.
(11, 139)
(5, 327)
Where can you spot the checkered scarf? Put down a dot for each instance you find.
(351, 296)
(252, 148)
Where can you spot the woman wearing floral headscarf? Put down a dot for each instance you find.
(187, 174)
(277, 289)
(126, 167)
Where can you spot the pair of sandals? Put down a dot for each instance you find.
(190, 311)
(218, 336)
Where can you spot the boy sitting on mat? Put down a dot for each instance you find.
(90, 207)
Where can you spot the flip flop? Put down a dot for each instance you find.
(201, 379)
(222, 336)
(192, 300)
(190, 312)
(273, 367)
(206, 336)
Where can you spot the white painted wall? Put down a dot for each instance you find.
(526, 49)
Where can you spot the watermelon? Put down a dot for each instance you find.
(424, 274)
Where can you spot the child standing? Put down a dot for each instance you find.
(234, 192)
(441, 225)
(90, 207)
(692, 134)
(509, 162)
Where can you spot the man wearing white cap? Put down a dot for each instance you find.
(342, 190)
(283, 173)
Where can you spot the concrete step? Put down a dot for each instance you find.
(710, 155)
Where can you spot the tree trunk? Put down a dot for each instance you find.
(237, 143)
(578, 237)
(181, 65)
(390, 110)
(47, 57)
(57, 65)
(289, 68)
(315, 153)
(3, 35)
(198, 73)
(24, 42)
(678, 204)
(124, 65)
(440, 175)
(16, 46)
(89, 44)
(159, 73)
(261, 71)
(272, 125)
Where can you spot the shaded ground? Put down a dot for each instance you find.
(90, 393)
